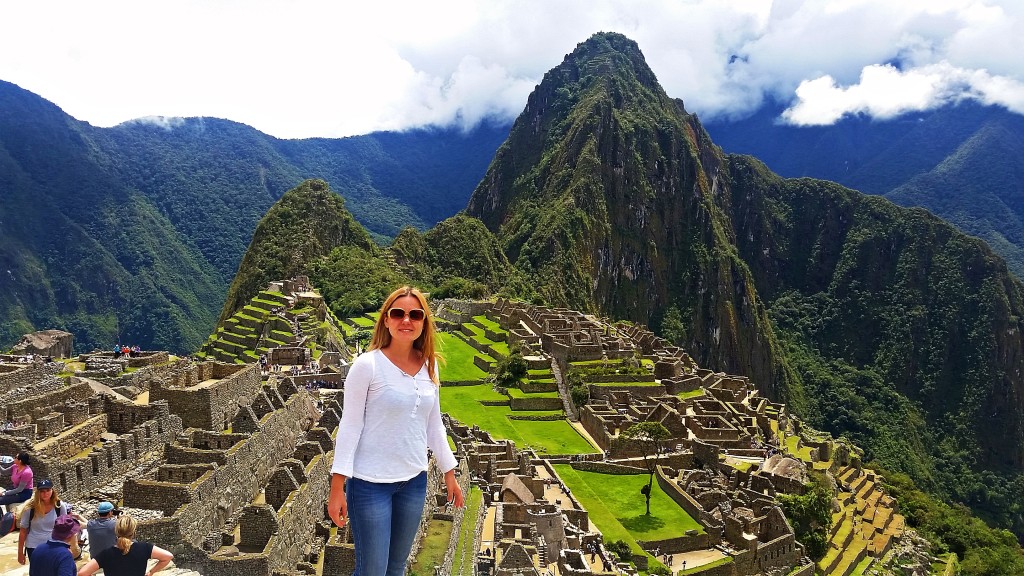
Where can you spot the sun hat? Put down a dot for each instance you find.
(65, 527)
(6, 459)
(105, 507)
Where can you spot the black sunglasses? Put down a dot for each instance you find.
(416, 314)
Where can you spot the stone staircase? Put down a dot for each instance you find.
(865, 526)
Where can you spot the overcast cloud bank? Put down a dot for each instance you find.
(303, 69)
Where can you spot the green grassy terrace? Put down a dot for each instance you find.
(458, 355)
(549, 437)
(618, 509)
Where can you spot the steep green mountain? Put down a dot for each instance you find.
(979, 188)
(960, 162)
(81, 251)
(131, 232)
(310, 232)
(607, 194)
(881, 323)
(306, 224)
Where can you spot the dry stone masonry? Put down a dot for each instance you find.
(225, 457)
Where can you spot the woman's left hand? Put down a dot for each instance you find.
(451, 484)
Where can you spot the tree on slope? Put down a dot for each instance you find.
(648, 438)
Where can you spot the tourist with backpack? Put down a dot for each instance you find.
(54, 557)
(38, 517)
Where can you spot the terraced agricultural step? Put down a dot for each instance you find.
(849, 560)
(858, 483)
(880, 544)
(883, 517)
(246, 340)
(866, 489)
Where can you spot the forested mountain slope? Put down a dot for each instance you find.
(133, 233)
(961, 162)
(874, 321)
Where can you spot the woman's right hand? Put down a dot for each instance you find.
(337, 505)
(21, 557)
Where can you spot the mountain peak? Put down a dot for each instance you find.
(611, 53)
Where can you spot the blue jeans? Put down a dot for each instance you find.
(384, 518)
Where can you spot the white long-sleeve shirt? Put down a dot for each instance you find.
(388, 420)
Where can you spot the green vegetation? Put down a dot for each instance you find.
(465, 555)
(546, 436)
(611, 500)
(648, 438)
(983, 550)
(510, 371)
(810, 514)
(434, 545)
(458, 360)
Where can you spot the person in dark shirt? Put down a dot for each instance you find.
(127, 557)
(53, 557)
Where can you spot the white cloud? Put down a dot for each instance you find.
(319, 68)
(885, 92)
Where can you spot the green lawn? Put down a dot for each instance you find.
(362, 321)
(617, 507)
(458, 365)
(803, 454)
(692, 394)
(550, 437)
(489, 324)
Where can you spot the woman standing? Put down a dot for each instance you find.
(37, 518)
(391, 416)
(21, 481)
(127, 557)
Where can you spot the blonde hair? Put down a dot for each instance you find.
(36, 504)
(124, 529)
(426, 343)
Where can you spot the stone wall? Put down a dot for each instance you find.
(40, 396)
(676, 493)
(76, 477)
(204, 506)
(295, 520)
(209, 405)
(75, 441)
(14, 376)
(535, 404)
(605, 392)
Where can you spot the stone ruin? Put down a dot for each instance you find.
(228, 466)
(47, 343)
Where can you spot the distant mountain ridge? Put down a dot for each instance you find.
(961, 162)
(132, 233)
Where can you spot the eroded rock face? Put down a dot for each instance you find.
(55, 343)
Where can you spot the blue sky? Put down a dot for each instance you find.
(296, 69)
